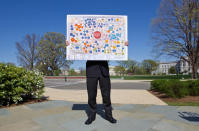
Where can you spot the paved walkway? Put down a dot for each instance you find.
(122, 91)
(134, 108)
(119, 96)
(70, 116)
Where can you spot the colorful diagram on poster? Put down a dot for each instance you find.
(97, 37)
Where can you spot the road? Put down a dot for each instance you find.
(81, 84)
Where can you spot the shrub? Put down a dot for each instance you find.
(158, 85)
(17, 83)
(176, 88)
(193, 87)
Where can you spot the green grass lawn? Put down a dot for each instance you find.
(183, 103)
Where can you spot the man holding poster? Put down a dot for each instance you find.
(97, 38)
(98, 70)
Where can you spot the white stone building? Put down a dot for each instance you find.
(181, 66)
(163, 67)
(111, 71)
(185, 67)
(64, 72)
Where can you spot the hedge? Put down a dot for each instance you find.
(17, 84)
(176, 88)
(153, 77)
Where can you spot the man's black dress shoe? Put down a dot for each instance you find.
(111, 119)
(108, 115)
(89, 120)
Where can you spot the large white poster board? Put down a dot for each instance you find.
(97, 37)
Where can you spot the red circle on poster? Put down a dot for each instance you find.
(97, 34)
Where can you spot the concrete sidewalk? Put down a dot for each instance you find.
(70, 116)
(118, 96)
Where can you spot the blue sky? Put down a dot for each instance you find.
(21, 17)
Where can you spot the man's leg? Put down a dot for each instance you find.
(105, 86)
(92, 93)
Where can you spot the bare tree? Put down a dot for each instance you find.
(124, 64)
(27, 52)
(175, 31)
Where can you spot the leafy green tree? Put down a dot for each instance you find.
(132, 65)
(82, 71)
(128, 65)
(52, 53)
(149, 66)
(119, 70)
(172, 70)
(139, 70)
(56, 72)
(72, 72)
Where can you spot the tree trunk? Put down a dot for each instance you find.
(194, 71)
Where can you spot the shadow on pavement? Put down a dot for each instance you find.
(85, 107)
(190, 116)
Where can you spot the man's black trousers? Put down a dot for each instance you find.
(105, 86)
